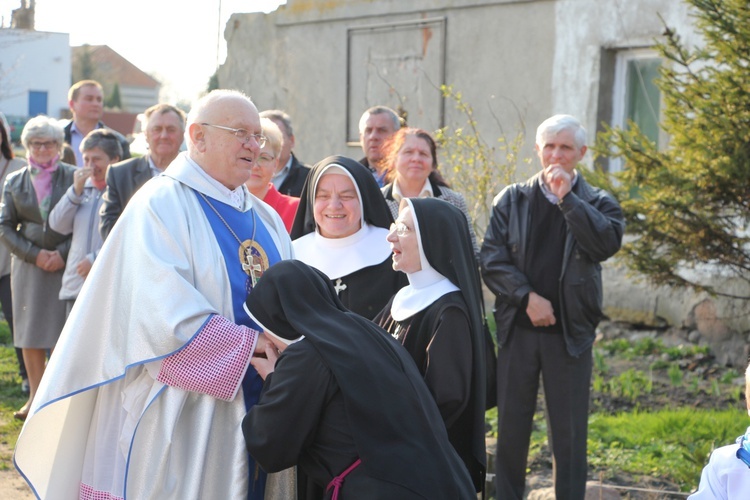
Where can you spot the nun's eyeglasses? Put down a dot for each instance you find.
(400, 228)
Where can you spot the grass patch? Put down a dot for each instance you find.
(671, 444)
(11, 399)
(648, 346)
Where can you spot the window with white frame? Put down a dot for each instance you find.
(635, 96)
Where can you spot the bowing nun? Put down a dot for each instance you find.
(343, 401)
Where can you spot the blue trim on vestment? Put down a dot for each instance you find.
(247, 226)
(109, 381)
(130, 448)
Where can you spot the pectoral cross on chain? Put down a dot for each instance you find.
(339, 287)
(256, 270)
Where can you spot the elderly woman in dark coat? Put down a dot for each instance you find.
(29, 195)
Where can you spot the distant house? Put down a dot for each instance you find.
(34, 73)
(137, 90)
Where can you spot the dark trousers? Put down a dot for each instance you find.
(6, 302)
(567, 381)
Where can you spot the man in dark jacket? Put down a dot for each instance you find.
(164, 129)
(291, 174)
(541, 258)
(85, 99)
(376, 126)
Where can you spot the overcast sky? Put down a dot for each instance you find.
(174, 40)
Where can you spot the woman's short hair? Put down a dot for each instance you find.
(273, 135)
(105, 140)
(42, 127)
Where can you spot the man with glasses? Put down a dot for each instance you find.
(86, 101)
(164, 131)
(159, 336)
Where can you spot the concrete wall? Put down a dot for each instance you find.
(299, 63)
(33, 61)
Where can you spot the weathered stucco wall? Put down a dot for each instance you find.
(515, 61)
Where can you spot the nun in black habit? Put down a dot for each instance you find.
(438, 318)
(340, 229)
(344, 399)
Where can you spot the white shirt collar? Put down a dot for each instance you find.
(234, 197)
(426, 191)
(154, 169)
(278, 177)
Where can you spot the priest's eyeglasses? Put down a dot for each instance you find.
(241, 134)
(400, 228)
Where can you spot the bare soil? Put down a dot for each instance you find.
(12, 485)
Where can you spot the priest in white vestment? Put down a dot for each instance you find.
(145, 393)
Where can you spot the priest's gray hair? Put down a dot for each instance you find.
(200, 106)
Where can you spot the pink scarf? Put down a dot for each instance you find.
(41, 178)
(100, 185)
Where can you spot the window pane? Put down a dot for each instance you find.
(643, 96)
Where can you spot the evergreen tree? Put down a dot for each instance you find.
(85, 69)
(687, 206)
(113, 101)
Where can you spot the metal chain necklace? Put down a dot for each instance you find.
(251, 254)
